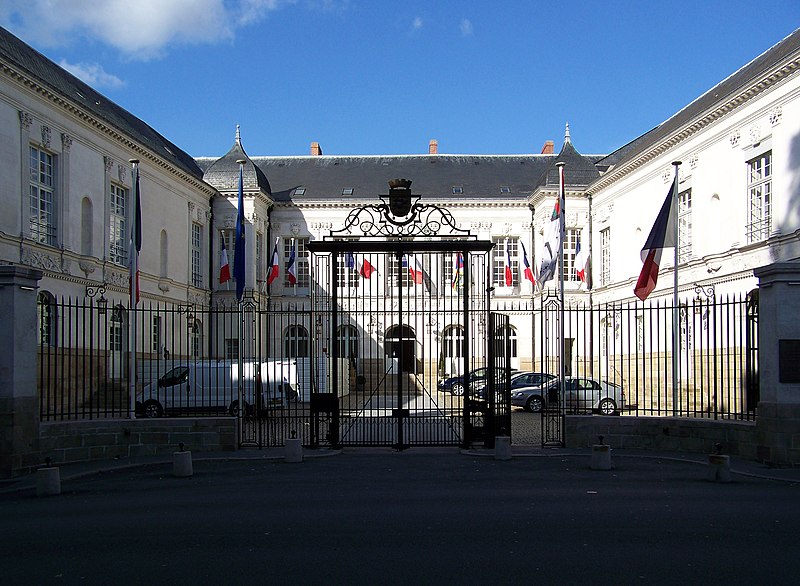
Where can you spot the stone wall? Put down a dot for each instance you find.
(670, 434)
(83, 441)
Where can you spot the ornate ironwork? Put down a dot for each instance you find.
(399, 214)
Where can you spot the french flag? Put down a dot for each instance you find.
(291, 268)
(417, 276)
(509, 274)
(366, 269)
(661, 236)
(582, 264)
(224, 267)
(274, 269)
(528, 273)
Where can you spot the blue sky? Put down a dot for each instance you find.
(385, 76)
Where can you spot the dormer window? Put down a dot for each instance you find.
(300, 191)
(347, 191)
(458, 190)
(505, 189)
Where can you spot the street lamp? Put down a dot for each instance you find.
(93, 291)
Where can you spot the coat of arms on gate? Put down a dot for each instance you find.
(400, 197)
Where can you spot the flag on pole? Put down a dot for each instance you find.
(661, 237)
(136, 241)
(413, 270)
(367, 269)
(350, 261)
(274, 269)
(553, 238)
(458, 273)
(508, 273)
(239, 253)
(582, 264)
(291, 268)
(224, 267)
(528, 273)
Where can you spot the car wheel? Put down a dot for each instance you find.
(233, 409)
(152, 409)
(607, 407)
(458, 389)
(535, 404)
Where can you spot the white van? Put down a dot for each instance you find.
(197, 387)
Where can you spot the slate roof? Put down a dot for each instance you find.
(717, 95)
(223, 173)
(24, 58)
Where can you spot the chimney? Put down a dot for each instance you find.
(433, 147)
(547, 149)
(316, 150)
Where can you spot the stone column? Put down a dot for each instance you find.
(19, 405)
(778, 422)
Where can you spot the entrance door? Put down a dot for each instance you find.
(400, 347)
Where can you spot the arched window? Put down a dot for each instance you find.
(295, 342)
(196, 338)
(347, 338)
(452, 351)
(46, 309)
(502, 333)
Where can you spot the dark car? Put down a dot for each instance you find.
(518, 380)
(476, 379)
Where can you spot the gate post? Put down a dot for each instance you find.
(19, 404)
(778, 421)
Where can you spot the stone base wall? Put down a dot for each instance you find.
(778, 433)
(19, 432)
(83, 441)
(668, 434)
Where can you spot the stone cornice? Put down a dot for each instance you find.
(76, 111)
(352, 205)
(767, 81)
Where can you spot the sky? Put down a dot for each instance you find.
(378, 77)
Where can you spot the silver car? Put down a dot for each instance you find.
(583, 395)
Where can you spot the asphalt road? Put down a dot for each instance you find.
(417, 517)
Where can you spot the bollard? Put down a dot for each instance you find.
(601, 456)
(719, 468)
(182, 463)
(502, 447)
(48, 481)
(293, 451)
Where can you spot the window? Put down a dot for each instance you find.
(348, 343)
(296, 342)
(156, 337)
(685, 226)
(301, 261)
(347, 191)
(505, 189)
(300, 191)
(231, 348)
(42, 222)
(605, 256)
(47, 311)
(195, 330)
(506, 332)
(572, 238)
(398, 269)
(504, 248)
(259, 257)
(347, 270)
(118, 236)
(116, 337)
(197, 255)
(458, 190)
(759, 191)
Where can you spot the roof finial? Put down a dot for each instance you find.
(566, 135)
(238, 136)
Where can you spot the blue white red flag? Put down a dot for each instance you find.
(661, 236)
(291, 268)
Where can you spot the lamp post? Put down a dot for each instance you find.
(93, 291)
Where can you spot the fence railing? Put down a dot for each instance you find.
(85, 351)
(631, 344)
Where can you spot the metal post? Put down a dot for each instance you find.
(676, 333)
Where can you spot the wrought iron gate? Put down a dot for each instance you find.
(401, 319)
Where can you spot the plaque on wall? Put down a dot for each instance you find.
(789, 361)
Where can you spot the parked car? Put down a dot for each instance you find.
(456, 385)
(518, 380)
(582, 395)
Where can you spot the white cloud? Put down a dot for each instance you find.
(139, 30)
(93, 74)
(466, 27)
(417, 24)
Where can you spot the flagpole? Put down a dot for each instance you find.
(132, 335)
(561, 225)
(676, 334)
